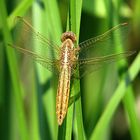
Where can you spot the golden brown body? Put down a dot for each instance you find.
(67, 59)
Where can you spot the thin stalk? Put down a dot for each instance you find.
(74, 25)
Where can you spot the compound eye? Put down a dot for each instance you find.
(68, 35)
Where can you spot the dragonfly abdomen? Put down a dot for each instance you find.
(63, 94)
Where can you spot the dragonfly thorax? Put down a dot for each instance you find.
(68, 35)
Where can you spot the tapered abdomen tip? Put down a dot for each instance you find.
(60, 120)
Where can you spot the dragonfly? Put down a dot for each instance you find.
(70, 57)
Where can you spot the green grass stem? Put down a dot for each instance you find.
(74, 20)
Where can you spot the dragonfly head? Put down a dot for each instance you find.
(68, 35)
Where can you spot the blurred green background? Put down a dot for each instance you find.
(109, 104)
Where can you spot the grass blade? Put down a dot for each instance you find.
(74, 24)
(116, 98)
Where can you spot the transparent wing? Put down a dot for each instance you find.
(29, 38)
(52, 65)
(103, 44)
(87, 66)
(31, 43)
